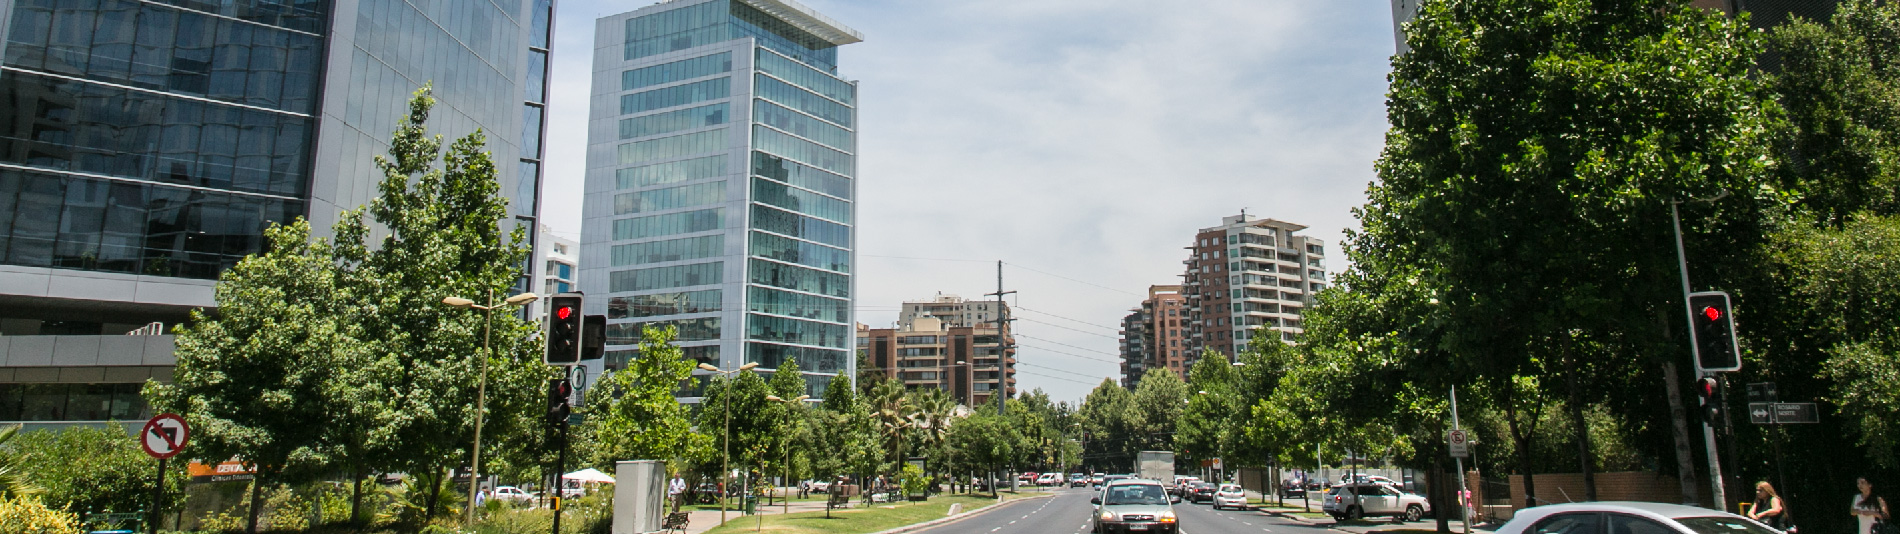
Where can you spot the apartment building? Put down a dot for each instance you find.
(963, 354)
(1248, 281)
(1154, 335)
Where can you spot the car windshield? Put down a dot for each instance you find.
(1135, 494)
(1723, 525)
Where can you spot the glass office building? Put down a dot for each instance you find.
(145, 145)
(721, 184)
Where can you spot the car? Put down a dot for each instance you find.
(1293, 489)
(1077, 480)
(1097, 479)
(1356, 501)
(1199, 492)
(1134, 506)
(513, 494)
(1629, 518)
(1230, 496)
(1181, 484)
(819, 486)
(1048, 479)
(1027, 478)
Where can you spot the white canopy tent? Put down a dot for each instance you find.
(589, 475)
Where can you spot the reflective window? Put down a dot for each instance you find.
(800, 279)
(690, 248)
(538, 23)
(671, 172)
(708, 354)
(87, 127)
(664, 304)
(102, 225)
(806, 253)
(685, 69)
(684, 196)
(783, 37)
(801, 125)
(800, 200)
(72, 402)
(562, 270)
(700, 329)
(673, 147)
(528, 186)
(151, 46)
(783, 330)
(673, 121)
(816, 155)
(1571, 523)
(775, 302)
(806, 77)
(537, 82)
(678, 95)
(677, 29)
(793, 97)
(530, 130)
(301, 15)
(669, 224)
(697, 274)
(791, 224)
(801, 175)
(771, 355)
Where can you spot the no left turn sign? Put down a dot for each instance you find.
(164, 435)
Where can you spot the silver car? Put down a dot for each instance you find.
(1629, 518)
(1133, 505)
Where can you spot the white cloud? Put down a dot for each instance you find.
(1088, 138)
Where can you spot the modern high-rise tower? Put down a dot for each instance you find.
(721, 180)
(145, 145)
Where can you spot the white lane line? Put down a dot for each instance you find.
(996, 529)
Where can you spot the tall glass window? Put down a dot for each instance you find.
(673, 121)
(697, 274)
(793, 97)
(792, 224)
(801, 125)
(671, 172)
(784, 330)
(102, 225)
(664, 304)
(813, 359)
(685, 69)
(817, 155)
(669, 224)
(800, 200)
(778, 35)
(801, 175)
(775, 302)
(690, 248)
(673, 147)
(678, 95)
(805, 253)
(800, 279)
(804, 76)
(677, 29)
(700, 329)
(684, 196)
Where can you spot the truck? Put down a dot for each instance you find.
(1155, 465)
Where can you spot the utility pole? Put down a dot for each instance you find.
(1002, 354)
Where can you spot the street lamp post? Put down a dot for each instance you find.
(787, 468)
(725, 443)
(481, 390)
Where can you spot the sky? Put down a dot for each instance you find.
(1080, 142)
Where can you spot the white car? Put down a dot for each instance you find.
(1356, 501)
(1629, 518)
(1048, 479)
(513, 494)
(1230, 496)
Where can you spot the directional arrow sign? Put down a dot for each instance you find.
(164, 435)
(1761, 413)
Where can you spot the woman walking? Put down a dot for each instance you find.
(1868, 508)
(1769, 509)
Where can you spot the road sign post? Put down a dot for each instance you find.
(162, 438)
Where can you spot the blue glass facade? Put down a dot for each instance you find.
(742, 93)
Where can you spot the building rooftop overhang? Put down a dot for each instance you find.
(808, 19)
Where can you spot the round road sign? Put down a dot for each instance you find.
(1459, 439)
(164, 435)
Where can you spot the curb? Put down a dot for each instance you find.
(959, 517)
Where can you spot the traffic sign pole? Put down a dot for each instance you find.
(158, 499)
(162, 437)
(1464, 508)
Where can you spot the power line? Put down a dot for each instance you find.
(1084, 332)
(1068, 345)
(1059, 370)
(1070, 380)
(1092, 284)
(921, 259)
(1076, 321)
(1071, 354)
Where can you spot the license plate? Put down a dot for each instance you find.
(1137, 527)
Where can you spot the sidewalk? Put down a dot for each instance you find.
(703, 520)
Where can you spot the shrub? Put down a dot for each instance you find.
(28, 516)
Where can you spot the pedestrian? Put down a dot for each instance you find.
(676, 490)
(804, 489)
(1870, 509)
(1769, 508)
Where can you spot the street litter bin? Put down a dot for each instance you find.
(751, 504)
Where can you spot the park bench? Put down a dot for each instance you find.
(674, 522)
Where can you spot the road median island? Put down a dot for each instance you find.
(880, 518)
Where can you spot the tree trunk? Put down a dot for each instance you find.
(435, 496)
(1522, 437)
(1582, 428)
(356, 496)
(257, 502)
(1679, 423)
(1438, 490)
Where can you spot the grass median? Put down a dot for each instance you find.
(861, 520)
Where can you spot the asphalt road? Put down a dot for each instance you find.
(1068, 513)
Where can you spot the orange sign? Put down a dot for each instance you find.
(230, 470)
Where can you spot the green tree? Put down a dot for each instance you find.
(984, 441)
(1111, 425)
(633, 415)
(15, 481)
(1840, 85)
(1159, 399)
(754, 427)
(86, 469)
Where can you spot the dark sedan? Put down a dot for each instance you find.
(1203, 492)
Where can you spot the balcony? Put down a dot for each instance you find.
(86, 351)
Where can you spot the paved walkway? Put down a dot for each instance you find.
(703, 520)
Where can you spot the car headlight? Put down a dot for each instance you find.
(1108, 516)
(1167, 517)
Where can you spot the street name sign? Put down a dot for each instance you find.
(1459, 442)
(164, 435)
(1796, 412)
(1762, 392)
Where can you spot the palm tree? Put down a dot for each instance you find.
(13, 482)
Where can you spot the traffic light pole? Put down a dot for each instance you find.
(560, 464)
(1717, 496)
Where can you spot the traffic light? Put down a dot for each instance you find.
(1713, 332)
(564, 329)
(559, 391)
(593, 337)
(1709, 390)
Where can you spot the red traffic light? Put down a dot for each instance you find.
(563, 312)
(1712, 313)
(1708, 386)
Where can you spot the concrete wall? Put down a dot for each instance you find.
(1557, 488)
(85, 351)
